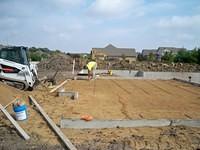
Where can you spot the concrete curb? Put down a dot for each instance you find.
(69, 123)
(71, 94)
(184, 81)
(189, 123)
(97, 124)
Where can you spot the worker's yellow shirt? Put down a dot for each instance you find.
(91, 65)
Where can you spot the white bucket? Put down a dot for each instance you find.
(20, 112)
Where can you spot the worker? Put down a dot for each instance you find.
(110, 72)
(91, 66)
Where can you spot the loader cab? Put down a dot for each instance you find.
(15, 54)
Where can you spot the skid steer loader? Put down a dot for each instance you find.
(15, 68)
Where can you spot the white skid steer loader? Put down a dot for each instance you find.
(15, 68)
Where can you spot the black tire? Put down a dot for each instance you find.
(30, 88)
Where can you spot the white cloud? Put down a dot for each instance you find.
(114, 8)
(116, 32)
(180, 22)
(66, 3)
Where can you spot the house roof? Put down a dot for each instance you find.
(146, 52)
(111, 50)
(173, 49)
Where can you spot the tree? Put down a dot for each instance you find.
(192, 56)
(168, 57)
(151, 57)
(198, 56)
(35, 57)
(140, 57)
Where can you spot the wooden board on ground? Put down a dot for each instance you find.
(65, 140)
(60, 85)
(10, 103)
(19, 129)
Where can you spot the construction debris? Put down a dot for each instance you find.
(19, 129)
(64, 139)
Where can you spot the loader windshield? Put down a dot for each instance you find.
(15, 54)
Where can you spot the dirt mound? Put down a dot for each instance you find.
(149, 66)
(59, 62)
(8, 93)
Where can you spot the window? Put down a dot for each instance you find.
(15, 54)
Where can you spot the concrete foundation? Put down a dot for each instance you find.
(81, 124)
(69, 123)
(126, 74)
(189, 123)
(71, 94)
(195, 77)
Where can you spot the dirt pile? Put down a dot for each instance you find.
(150, 66)
(59, 62)
(166, 67)
(8, 93)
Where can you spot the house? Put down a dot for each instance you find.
(147, 52)
(78, 55)
(162, 50)
(111, 52)
(158, 53)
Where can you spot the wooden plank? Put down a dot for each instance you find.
(9, 103)
(73, 66)
(57, 130)
(19, 129)
(60, 85)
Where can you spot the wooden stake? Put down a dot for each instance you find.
(73, 66)
(19, 129)
(10, 103)
(57, 130)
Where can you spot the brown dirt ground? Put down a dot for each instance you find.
(133, 99)
(7, 94)
(117, 99)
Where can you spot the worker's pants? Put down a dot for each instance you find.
(94, 72)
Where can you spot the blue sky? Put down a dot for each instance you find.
(79, 25)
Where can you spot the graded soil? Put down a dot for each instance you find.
(109, 99)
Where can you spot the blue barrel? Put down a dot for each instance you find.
(20, 112)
